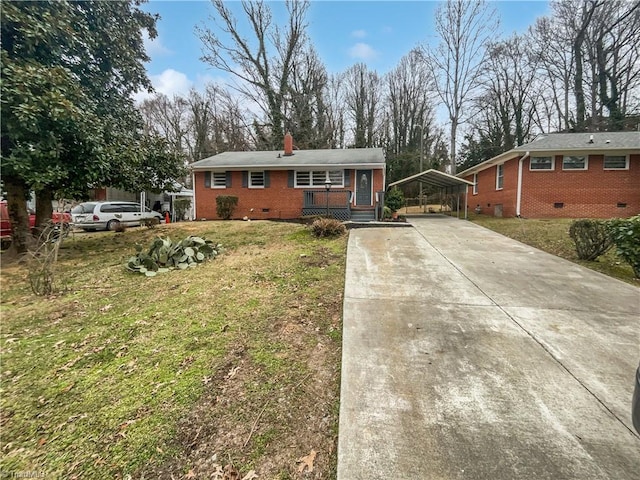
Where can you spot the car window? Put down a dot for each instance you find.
(112, 208)
(130, 207)
(83, 208)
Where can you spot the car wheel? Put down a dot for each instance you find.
(112, 225)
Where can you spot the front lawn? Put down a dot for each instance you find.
(552, 236)
(233, 364)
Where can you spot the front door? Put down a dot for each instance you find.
(364, 187)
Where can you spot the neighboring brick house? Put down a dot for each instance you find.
(570, 175)
(292, 183)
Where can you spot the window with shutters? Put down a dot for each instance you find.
(318, 178)
(218, 179)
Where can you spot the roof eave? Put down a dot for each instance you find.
(293, 166)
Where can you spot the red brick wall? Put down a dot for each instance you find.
(592, 193)
(281, 200)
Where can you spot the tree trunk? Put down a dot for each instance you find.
(452, 160)
(18, 214)
(44, 208)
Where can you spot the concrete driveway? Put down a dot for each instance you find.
(470, 355)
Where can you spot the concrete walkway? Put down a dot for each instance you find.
(467, 355)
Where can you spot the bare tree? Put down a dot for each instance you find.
(410, 107)
(262, 65)
(465, 28)
(362, 94)
(167, 117)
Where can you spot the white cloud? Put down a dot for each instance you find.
(154, 47)
(359, 33)
(170, 82)
(363, 51)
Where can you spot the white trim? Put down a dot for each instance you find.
(498, 176)
(249, 183)
(474, 188)
(553, 163)
(627, 161)
(586, 164)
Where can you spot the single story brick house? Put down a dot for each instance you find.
(290, 184)
(569, 175)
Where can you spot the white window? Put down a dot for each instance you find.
(499, 176)
(318, 178)
(218, 179)
(541, 163)
(256, 179)
(574, 162)
(616, 162)
(475, 183)
(303, 179)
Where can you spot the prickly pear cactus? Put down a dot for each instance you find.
(164, 255)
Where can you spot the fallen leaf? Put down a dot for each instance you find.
(250, 475)
(68, 387)
(106, 308)
(233, 371)
(42, 441)
(230, 473)
(307, 462)
(206, 380)
(190, 474)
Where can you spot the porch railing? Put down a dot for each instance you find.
(337, 202)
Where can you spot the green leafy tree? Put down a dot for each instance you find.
(69, 123)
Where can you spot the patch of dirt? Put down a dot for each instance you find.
(262, 424)
(322, 257)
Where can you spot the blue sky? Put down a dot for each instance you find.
(377, 33)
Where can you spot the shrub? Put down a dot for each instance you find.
(327, 227)
(120, 228)
(625, 235)
(386, 212)
(225, 205)
(394, 199)
(181, 205)
(591, 238)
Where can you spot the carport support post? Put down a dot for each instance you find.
(466, 207)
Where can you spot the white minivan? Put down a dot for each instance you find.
(108, 215)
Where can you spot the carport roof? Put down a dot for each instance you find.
(434, 178)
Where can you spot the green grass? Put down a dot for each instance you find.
(552, 236)
(106, 378)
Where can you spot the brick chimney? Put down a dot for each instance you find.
(288, 145)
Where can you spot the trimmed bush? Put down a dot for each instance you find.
(225, 205)
(591, 238)
(625, 234)
(327, 227)
(394, 199)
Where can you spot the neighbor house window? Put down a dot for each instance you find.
(574, 162)
(475, 183)
(318, 178)
(499, 176)
(541, 163)
(616, 162)
(256, 179)
(218, 179)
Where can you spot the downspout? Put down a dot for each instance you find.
(519, 190)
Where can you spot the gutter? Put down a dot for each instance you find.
(519, 190)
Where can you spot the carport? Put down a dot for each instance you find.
(446, 184)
